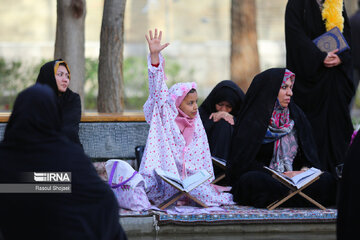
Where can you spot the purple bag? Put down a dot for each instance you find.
(128, 185)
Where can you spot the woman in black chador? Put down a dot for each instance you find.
(33, 142)
(56, 74)
(273, 131)
(217, 113)
(348, 207)
(324, 85)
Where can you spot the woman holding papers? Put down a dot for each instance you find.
(218, 113)
(273, 131)
(324, 85)
(177, 140)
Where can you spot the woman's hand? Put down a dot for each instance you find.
(155, 46)
(217, 116)
(291, 174)
(332, 59)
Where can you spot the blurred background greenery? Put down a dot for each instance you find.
(15, 76)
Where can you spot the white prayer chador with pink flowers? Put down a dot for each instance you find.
(166, 146)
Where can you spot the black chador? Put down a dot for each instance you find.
(323, 93)
(220, 133)
(251, 183)
(33, 142)
(349, 208)
(69, 101)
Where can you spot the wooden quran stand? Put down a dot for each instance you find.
(293, 192)
(177, 196)
(222, 176)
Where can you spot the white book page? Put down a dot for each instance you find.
(219, 160)
(188, 183)
(299, 180)
(302, 180)
(170, 177)
(296, 179)
(279, 174)
(195, 180)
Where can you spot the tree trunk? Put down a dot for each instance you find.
(70, 40)
(111, 82)
(244, 62)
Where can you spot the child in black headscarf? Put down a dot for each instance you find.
(56, 74)
(33, 142)
(217, 114)
(273, 131)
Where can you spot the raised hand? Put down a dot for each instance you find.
(155, 46)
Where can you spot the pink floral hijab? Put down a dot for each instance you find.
(177, 94)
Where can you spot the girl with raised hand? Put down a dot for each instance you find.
(177, 141)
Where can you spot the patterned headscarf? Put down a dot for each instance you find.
(281, 131)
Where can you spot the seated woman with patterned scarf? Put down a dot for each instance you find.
(273, 131)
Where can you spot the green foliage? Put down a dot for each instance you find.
(91, 83)
(356, 122)
(135, 81)
(357, 98)
(15, 76)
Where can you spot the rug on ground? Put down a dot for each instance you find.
(235, 214)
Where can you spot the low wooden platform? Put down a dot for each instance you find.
(237, 222)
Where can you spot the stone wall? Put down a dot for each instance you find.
(107, 140)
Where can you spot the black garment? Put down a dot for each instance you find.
(33, 142)
(251, 183)
(69, 101)
(349, 208)
(355, 34)
(260, 189)
(225, 90)
(324, 94)
(219, 134)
